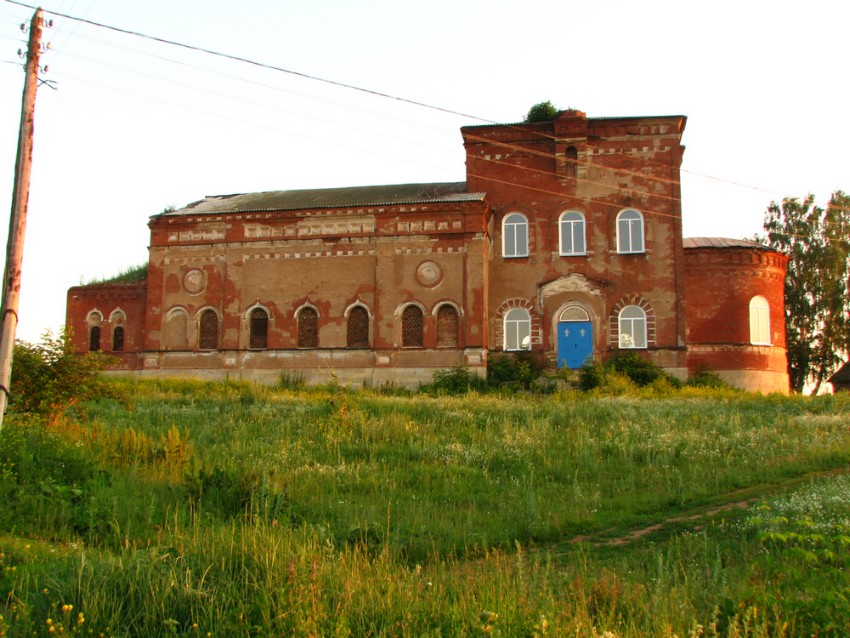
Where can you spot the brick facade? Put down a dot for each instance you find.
(574, 223)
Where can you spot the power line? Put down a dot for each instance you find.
(347, 86)
(621, 171)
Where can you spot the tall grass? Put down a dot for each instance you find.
(245, 510)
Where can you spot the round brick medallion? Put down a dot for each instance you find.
(429, 274)
(194, 281)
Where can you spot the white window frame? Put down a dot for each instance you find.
(631, 232)
(517, 329)
(631, 325)
(760, 321)
(511, 247)
(572, 224)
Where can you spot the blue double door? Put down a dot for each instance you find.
(575, 343)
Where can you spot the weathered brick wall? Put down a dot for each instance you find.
(330, 261)
(719, 285)
(108, 306)
(598, 168)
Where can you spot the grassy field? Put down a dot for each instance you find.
(240, 510)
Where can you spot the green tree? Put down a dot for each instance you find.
(542, 112)
(817, 242)
(49, 378)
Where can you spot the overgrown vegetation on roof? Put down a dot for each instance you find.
(542, 112)
(128, 275)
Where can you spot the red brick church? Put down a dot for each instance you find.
(565, 241)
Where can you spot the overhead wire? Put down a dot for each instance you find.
(328, 81)
(283, 70)
(240, 59)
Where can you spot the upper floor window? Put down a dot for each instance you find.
(412, 327)
(447, 325)
(759, 321)
(308, 328)
(632, 327)
(118, 338)
(208, 330)
(259, 329)
(572, 234)
(630, 232)
(517, 329)
(515, 236)
(358, 328)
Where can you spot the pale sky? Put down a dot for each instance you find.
(135, 126)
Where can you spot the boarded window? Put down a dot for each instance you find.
(118, 339)
(358, 328)
(571, 156)
(759, 320)
(176, 332)
(411, 327)
(94, 339)
(308, 328)
(447, 326)
(208, 330)
(259, 329)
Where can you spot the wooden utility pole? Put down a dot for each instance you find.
(18, 219)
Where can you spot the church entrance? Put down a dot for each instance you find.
(575, 338)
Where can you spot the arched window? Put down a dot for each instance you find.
(515, 236)
(358, 328)
(632, 327)
(517, 329)
(447, 325)
(94, 321)
(118, 338)
(572, 235)
(412, 327)
(630, 232)
(208, 332)
(308, 328)
(571, 156)
(176, 335)
(259, 329)
(759, 321)
(94, 338)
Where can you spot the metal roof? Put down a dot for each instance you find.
(722, 242)
(329, 198)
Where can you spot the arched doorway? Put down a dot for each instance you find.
(575, 337)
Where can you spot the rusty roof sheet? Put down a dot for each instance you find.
(722, 242)
(329, 198)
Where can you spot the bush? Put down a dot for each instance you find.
(705, 378)
(641, 371)
(456, 380)
(629, 368)
(513, 372)
(542, 112)
(49, 378)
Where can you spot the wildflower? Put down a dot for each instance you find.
(67, 608)
(80, 618)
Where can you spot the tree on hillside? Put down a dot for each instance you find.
(817, 242)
